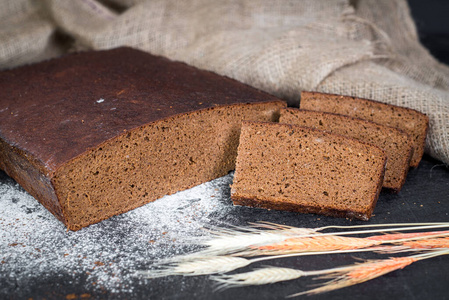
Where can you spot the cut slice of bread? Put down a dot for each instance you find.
(289, 167)
(395, 142)
(411, 121)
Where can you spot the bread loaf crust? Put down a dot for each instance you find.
(31, 175)
(56, 113)
(305, 209)
(90, 97)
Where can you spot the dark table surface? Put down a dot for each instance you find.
(424, 198)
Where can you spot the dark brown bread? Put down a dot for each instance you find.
(289, 167)
(396, 143)
(411, 121)
(95, 134)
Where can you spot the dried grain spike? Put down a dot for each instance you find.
(199, 266)
(258, 277)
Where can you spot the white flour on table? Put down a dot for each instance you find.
(35, 245)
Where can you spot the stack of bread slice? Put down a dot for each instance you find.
(332, 156)
(411, 121)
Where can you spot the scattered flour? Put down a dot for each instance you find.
(34, 244)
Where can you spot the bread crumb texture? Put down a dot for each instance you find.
(154, 160)
(288, 167)
(396, 143)
(409, 120)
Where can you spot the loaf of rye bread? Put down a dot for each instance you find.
(413, 122)
(289, 167)
(95, 134)
(396, 143)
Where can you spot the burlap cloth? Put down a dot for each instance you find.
(364, 48)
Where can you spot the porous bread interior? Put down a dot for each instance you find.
(286, 165)
(396, 143)
(409, 120)
(154, 160)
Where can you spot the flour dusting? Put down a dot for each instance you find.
(35, 245)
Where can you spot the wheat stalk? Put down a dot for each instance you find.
(428, 244)
(224, 251)
(389, 225)
(340, 277)
(229, 241)
(261, 276)
(320, 243)
(359, 273)
(238, 239)
(207, 265)
(413, 235)
(312, 244)
(199, 266)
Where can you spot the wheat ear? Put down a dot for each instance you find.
(340, 277)
(261, 276)
(312, 244)
(229, 241)
(209, 265)
(240, 240)
(200, 266)
(335, 242)
(359, 273)
(428, 244)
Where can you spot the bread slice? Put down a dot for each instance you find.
(411, 121)
(289, 167)
(395, 142)
(96, 134)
